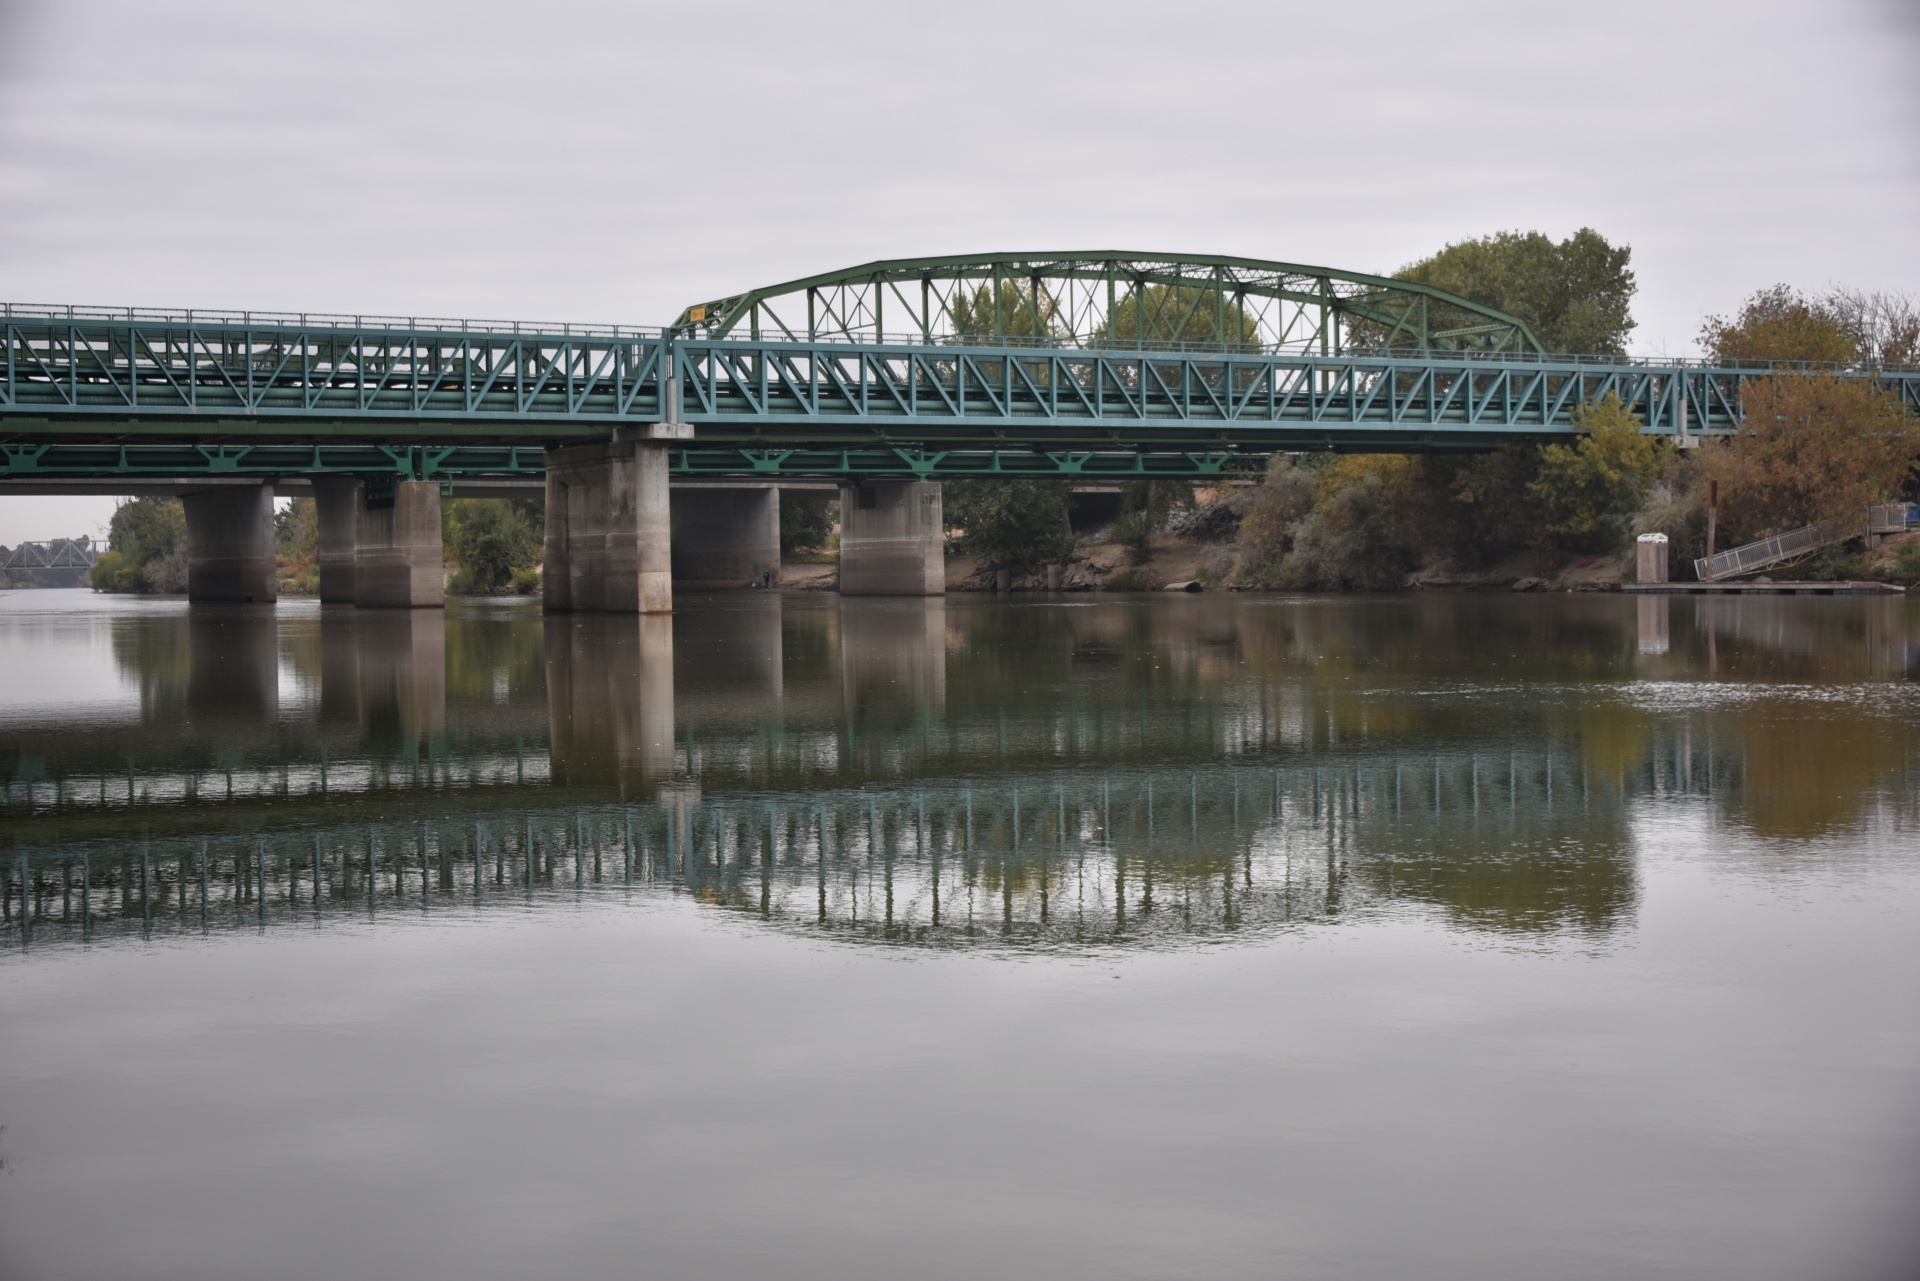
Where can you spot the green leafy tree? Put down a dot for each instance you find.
(1592, 488)
(146, 548)
(1266, 533)
(806, 522)
(985, 313)
(1576, 295)
(1179, 314)
(490, 539)
(1781, 323)
(1362, 531)
(297, 552)
(1010, 524)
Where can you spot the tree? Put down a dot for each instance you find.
(1884, 326)
(1185, 314)
(1780, 323)
(1810, 447)
(805, 522)
(985, 314)
(146, 548)
(490, 538)
(297, 552)
(1576, 295)
(1593, 487)
(1010, 524)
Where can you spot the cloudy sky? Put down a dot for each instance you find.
(572, 160)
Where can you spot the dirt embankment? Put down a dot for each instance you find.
(1176, 564)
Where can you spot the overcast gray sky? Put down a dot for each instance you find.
(614, 161)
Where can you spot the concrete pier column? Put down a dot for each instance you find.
(726, 537)
(609, 530)
(336, 500)
(892, 539)
(397, 562)
(230, 544)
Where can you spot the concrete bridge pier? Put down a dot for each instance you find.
(230, 544)
(726, 536)
(609, 529)
(892, 539)
(336, 501)
(397, 561)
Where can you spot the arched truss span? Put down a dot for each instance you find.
(1109, 298)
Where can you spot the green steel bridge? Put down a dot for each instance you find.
(1090, 365)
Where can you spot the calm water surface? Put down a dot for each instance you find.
(1475, 937)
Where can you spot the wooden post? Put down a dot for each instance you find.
(1713, 521)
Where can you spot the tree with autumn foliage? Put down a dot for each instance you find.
(1812, 445)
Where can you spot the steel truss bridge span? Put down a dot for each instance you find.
(1114, 298)
(431, 400)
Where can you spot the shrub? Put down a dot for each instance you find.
(1134, 531)
(1266, 533)
(1215, 522)
(1360, 532)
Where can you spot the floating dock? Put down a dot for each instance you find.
(1765, 589)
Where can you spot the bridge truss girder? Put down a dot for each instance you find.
(1109, 297)
(250, 397)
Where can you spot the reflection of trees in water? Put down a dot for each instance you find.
(155, 655)
(1125, 858)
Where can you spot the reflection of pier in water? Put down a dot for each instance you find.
(1525, 842)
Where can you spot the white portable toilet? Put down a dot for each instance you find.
(1651, 558)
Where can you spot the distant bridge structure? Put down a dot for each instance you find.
(57, 553)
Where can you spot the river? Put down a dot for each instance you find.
(1446, 936)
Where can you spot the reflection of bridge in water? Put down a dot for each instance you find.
(915, 772)
(1520, 841)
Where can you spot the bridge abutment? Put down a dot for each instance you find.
(336, 501)
(609, 530)
(892, 539)
(726, 537)
(397, 561)
(230, 544)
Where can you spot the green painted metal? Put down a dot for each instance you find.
(56, 461)
(922, 464)
(845, 394)
(157, 372)
(255, 395)
(1109, 298)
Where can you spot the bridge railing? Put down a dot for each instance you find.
(316, 320)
